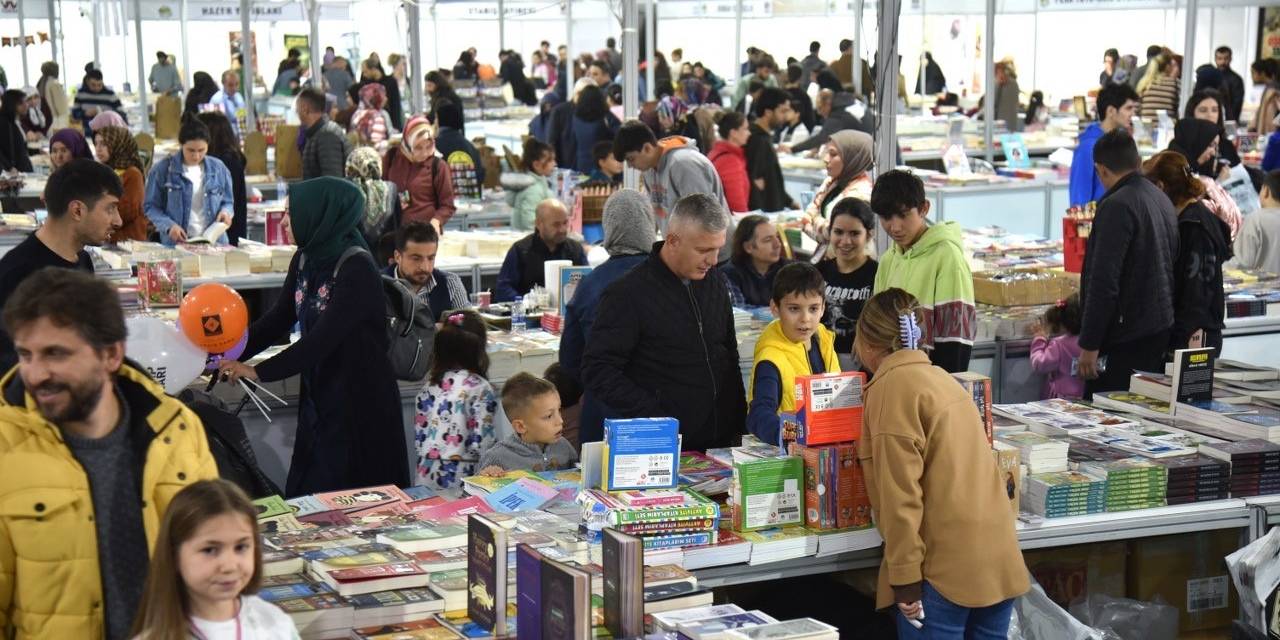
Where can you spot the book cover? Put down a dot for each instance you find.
(671, 620)
(1015, 151)
(358, 499)
(304, 506)
(709, 628)
(419, 493)
(829, 407)
(396, 598)
(570, 277)
(271, 506)
(487, 574)
(461, 507)
(488, 484)
(695, 506)
(423, 537)
(800, 628)
(160, 283)
(623, 566)
(978, 387)
(767, 492)
(442, 559)
(525, 494)
(566, 600)
(529, 593)
(1193, 375)
(673, 540)
(651, 497)
(302, 589)
(640, 453)
(375, 572)
(429, 629)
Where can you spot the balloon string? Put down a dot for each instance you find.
(263, 389)
(262, 406)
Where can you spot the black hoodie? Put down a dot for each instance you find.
(838, 120)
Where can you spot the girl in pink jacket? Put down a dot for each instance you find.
(1056, 357)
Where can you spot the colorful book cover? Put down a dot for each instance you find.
(295, 590)
(359, 499)
(271, 506)
(304, 506)
(681, 540)
(313, 603)
(323, 555)
(525, 494)
(1015, 151)
(334, 517)
(438, 560)
(486, 574)
(160, 283)
(651, 497)
(641, 453)
(398, 597)
(488, 484)
(463, 507)
(829, 407)
(767, 492)
(419, 493)
(696, 506)
(978, 387)
(429, 629)
(529, 593)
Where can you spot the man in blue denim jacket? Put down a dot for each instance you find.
(188, 192)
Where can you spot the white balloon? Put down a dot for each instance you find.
(168, 356)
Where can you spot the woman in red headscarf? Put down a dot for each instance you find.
(422, 178)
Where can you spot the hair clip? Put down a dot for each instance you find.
(910, 330)
(1061, 304)
(456, 319)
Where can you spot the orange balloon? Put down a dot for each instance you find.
(213, 316)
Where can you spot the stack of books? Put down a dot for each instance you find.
(1132, 483)
(1196, 478)
(661, 518)
(767, 491)
(806, 628)
(784, 543)
(730, 548)
(835, 492)
(1255, 465)
(1064, 493)
(1040, 454)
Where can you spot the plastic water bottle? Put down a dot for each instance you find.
(518, 320)
(282, 188)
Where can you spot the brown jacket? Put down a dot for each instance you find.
(938, 499)
(133, 223)
(425, 188)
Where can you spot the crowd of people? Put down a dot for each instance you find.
(649, 332)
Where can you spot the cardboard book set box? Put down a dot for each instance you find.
(1189, 572)
(1076, 572)
(1018, 287)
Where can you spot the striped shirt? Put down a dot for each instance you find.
(105, 100)
(1162, 95)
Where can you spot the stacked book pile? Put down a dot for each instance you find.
(1057, 417)
(782, 543)
(1255, 465)
(1132, 483)
(729, 548)
(1064, 493)
(1040, 454)
(663, 518)
(1196, 479)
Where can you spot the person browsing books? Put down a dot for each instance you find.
(82, 198)
(93, 452)
(207, 569)
(522, 269)
(350, 429)
(1056, 348)
(538, 444)
(928, 262)
(1117, 104)
(676, 354)
(1126, 286)
(849, 272)
(1204, 245)
(455, 409)
(189, 192)
(951, 557)
(754, 262)
(794, 344)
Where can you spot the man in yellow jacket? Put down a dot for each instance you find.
(91, 452)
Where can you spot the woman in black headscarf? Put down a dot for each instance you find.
(201, 92)
(1207, 105)
(1198, 140)
(350, 429)
(512, 73)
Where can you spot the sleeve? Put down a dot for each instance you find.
(614, 336)
(155, 205)
(526, 208)
(278, 320)
(818, 139)
(766, 397)
(736, 299)
(508, 277)
(479, 165)
(686, 179)
(898, 465)
(1104, 260)
(21, 155)
(1271, 157)
(579, 256)
(953, 320)
(356, 294)
(735, 395)
(206, 467)
(457, 291)
(1046, 355)
(1080, 187)
(1249, 243)
(480, 409)
(443, 186)
(134, 193)
(7, 575)
(573, 341)
(757, 157)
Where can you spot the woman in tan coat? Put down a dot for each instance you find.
(951, 559)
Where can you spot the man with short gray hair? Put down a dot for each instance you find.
(663, 341)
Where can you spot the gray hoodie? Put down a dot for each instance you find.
(512, 453)
(681, 170)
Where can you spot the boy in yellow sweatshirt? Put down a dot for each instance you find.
(794, 344)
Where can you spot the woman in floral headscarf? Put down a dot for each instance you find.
(381, 206)
(371, 119)
(114, 147)
(423, 178)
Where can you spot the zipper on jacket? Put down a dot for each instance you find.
(706, 357)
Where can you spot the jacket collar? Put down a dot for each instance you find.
(897, 359)
(1123, 182)
(145, 397)
(655, 259)
(315, 128)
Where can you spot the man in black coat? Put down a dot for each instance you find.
(663, 342)
(835, 117)
(1232, 81)
(1126, 288)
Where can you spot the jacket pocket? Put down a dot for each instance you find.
(44, 523)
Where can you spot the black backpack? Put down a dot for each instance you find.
(411, 327)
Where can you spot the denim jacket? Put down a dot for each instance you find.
(169, 194)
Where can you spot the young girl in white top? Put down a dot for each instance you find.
(206, 566)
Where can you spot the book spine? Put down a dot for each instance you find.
(696, 524)
(658, 514)
(681, 540)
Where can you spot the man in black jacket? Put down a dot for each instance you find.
(836, 116)
(1126, 289)
(1233, 82)
(663, 342)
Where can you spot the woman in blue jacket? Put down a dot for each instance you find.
(189, 191)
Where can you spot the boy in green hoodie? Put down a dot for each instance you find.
(928, 262)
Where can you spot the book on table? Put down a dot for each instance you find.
(566, 601)
(383, 577)
(487, 574)
(623, 566)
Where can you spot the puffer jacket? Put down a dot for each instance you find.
(524, 192)
(50, 586)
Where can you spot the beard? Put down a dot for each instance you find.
(84, 398)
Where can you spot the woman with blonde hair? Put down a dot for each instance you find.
(951, 558)
(1204, 244)
(1161, 88)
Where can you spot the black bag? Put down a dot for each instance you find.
(411, 327)
(229, 444)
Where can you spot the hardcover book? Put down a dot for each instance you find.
(566, 601)
(487, 574)
(529, 593)
(623, 566)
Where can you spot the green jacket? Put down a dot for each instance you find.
(935, 271)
